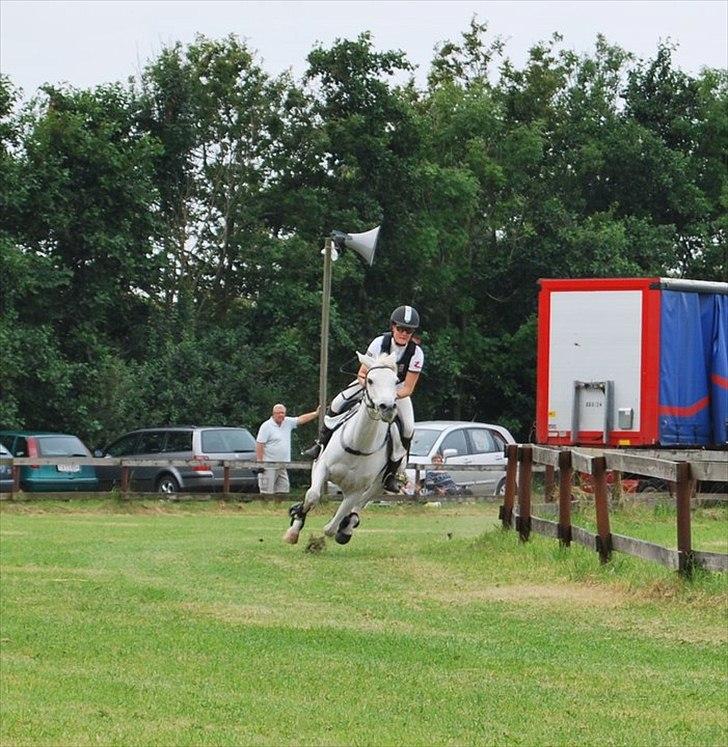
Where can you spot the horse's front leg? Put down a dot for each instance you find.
(298, 511)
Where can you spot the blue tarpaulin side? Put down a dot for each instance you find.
(693, 406)
(719, 372)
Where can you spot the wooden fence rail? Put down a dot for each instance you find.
(127, 464)
(678, 471)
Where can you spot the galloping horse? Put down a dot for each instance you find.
(356, 455)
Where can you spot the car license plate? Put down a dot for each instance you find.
(69, 467)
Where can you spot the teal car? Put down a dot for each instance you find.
(50, 477)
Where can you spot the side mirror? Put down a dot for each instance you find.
(449, 453)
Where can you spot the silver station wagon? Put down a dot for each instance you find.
(463, 443)
(181, 442)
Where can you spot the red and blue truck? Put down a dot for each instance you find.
(632, 362)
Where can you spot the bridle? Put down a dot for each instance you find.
(373, 413)
(372, 410)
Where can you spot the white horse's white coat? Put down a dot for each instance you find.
(358, 475)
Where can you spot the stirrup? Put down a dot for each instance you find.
(390, 484)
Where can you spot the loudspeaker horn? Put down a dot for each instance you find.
(364, 244)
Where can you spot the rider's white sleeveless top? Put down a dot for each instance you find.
(416, 363)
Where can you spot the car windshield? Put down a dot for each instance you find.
(227, 440)
(423, 441)
(61, 446)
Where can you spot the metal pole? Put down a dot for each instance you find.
(506, 510)
(684, 541)
(601, 504)
(525, 473)
(325, 304)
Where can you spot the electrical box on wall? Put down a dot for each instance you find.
(632, 362)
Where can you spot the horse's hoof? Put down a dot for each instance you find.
(291, 536)
(298, 519)
(346, 528)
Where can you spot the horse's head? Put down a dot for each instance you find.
(380, 387)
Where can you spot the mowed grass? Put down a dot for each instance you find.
(193, 624)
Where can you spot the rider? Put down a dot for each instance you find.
(410, 359)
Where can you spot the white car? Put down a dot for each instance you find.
(463, 442)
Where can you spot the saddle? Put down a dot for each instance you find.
(334, 422)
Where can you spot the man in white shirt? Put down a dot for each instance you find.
(273, 444)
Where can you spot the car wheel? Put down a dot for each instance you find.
(168, 485)
(501, 487)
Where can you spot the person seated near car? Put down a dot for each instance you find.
(439, 482)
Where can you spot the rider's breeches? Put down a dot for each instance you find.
(347, 398)
(354, 392)
(407, 416)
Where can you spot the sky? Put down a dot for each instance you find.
(89, 42)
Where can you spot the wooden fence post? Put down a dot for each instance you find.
(16, 480)
(525, 468)
(549, 484)
(684, 541)
(124, 479)
(617, 491)
(506, 510)
(225, 481)
(601, 503)
(565, 477)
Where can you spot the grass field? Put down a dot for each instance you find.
(150, 623)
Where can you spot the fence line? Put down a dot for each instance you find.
(127, 465)
(682, 474)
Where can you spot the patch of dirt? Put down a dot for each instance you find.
(101, 523)
(436, 582)
(85, 573)
(301, 616)
(315, 544)
(566, 594)
(669, 631)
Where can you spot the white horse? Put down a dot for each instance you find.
(357, 453)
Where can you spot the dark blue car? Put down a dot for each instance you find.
(6, 472)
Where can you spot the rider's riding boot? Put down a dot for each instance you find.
(390, 477)
(323, 438)
(390, 474)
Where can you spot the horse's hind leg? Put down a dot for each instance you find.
(298, 511)
(346, 528)
(347, 519)
(346, 507)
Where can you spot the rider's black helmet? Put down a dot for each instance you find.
(405, 316)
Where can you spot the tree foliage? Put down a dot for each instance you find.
(160, 238)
